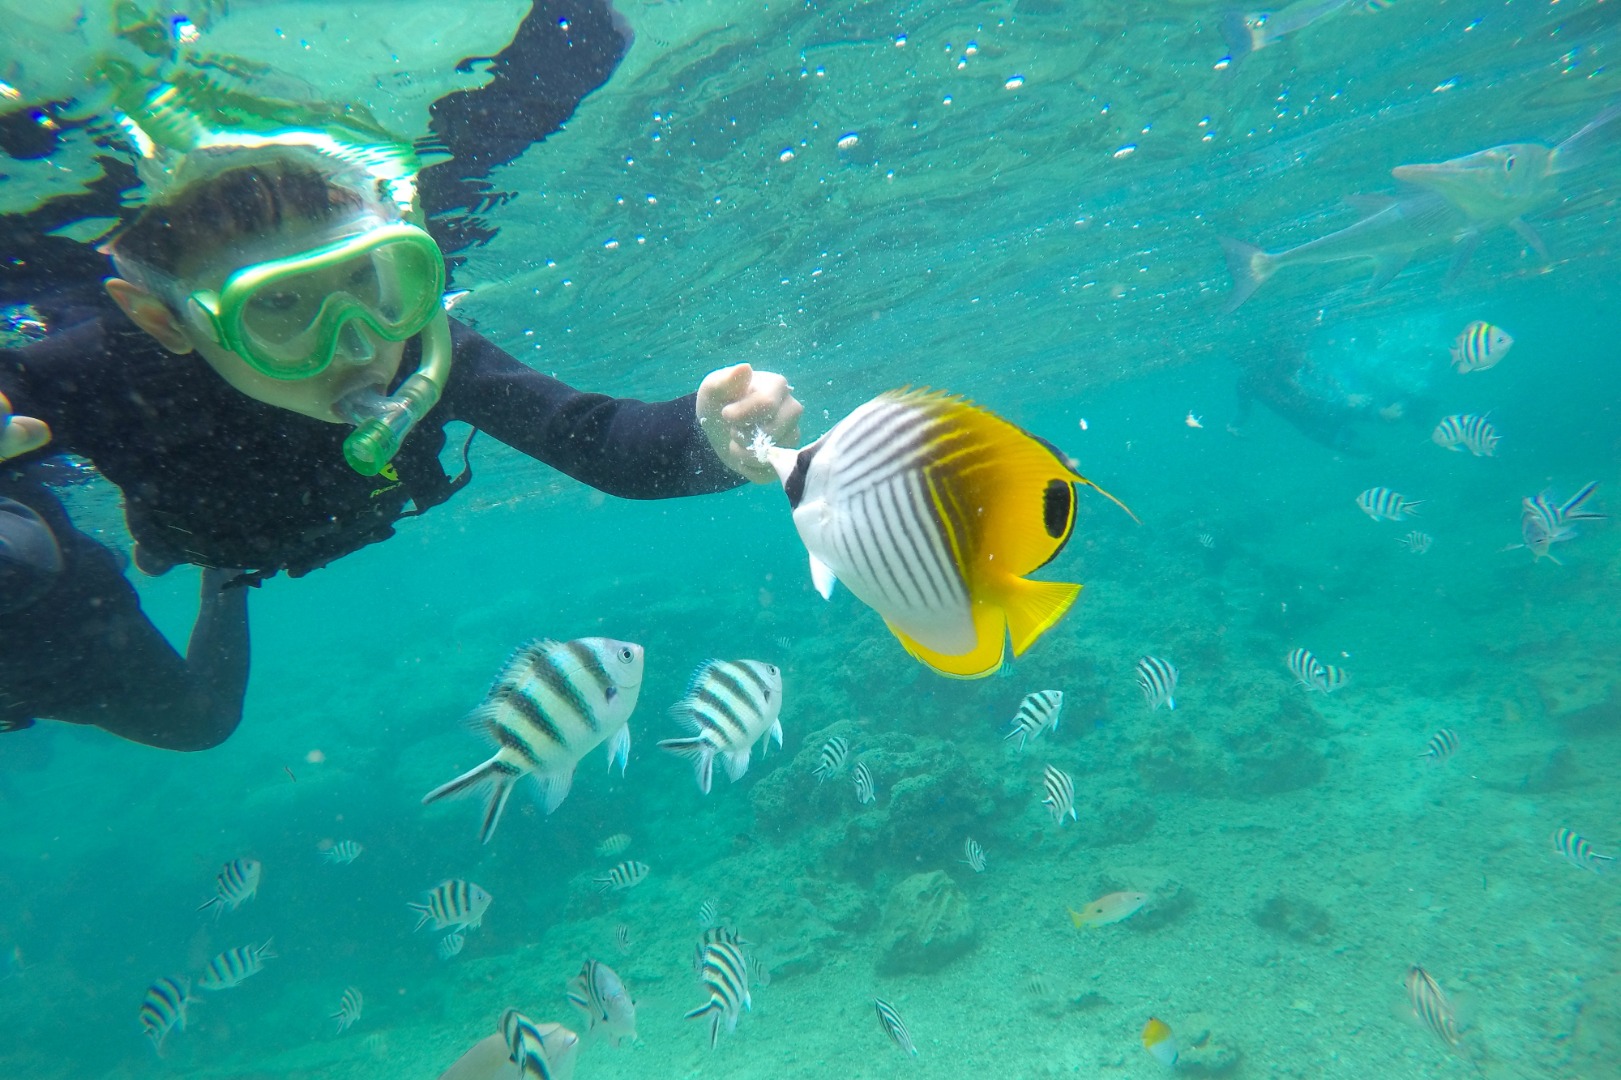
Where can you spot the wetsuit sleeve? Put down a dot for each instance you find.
(91, 656)
(629, 448)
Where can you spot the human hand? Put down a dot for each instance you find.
(20, 434)
(734, 403)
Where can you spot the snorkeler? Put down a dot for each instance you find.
(1300, 393)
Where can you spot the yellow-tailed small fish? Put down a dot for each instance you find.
(1480, 346)
(1160, 1042)
(933, 511)
(1108, 910)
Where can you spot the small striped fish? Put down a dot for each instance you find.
(1333, 679)
(1038, 712)
(599, 995)
(1442, 745)
(614, 846)
(894, 1026)
(973, 855)
(730, 706)
(450, 945)
(1574, 849)
(1308, 671)
(164, 1008)
(627, 875)
(1480, 346)
(235, 885)
(1430, 1005)
(542, 1051)
(553, 703)
(1382, 504)
(622, 937)
(231, 968)
(834, 756)
(866, 790)
(1157, 678)
(1060, 790)
(1206, 540)
(725, 974)
(1467, 431)
(714, 934)
(1545, 521)
(708, 913)
(1416, 542)
(344, 851)
(453, 904)
(350, 1006)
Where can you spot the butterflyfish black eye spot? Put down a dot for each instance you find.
(1057, 508)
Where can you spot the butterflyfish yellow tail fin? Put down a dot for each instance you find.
(1033, 607)
(985, 658)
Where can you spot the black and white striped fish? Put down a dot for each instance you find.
(344, 851)
(1333, 678)
(894, 1026)
(627, 875)
(232, 967)
(708, 913)
(235, 885)
(730, 706)
(725, 974)
(1480, 346)
(450, 945)
(454, 904)
(714, 934)
(833, 758)
(622, 937)
(1467, 431)
(554, 702)
(350, 1006)
(1430, 1005)
(1157, 680)
(1574, 849)
(1416, 542)
(1038, 712)
(1382, 504)
(542, 1051)
(1442, 745)
(1060, 791)
(597, 992)
(866, 790)
(973, 855)
(1306, 668)
(1545, 521)
(164, 1008)
(933, 511)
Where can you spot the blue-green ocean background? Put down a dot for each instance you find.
(996, 245)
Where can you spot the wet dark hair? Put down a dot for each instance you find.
(235, 205)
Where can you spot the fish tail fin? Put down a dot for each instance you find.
(1078, 919)
(987, 657)
(1032, 607)
(496, 776)
(1249, 265)
(697, 751)
(1581, 148)
(424, 917)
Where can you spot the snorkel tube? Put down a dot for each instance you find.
(382, 423)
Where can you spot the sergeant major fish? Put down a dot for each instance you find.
(725, 975)
(1480, 346)
(1382, 504)
(543, 1051)
(834, 756)
(597, 993)
(552, 704)
(1060, 797)
(1038, 712)
(1467, 431)
(163, 1009)
(730, 706)
(350, 1006)
(454, 903)
(235, 966)
(1157, 680)
(933, 511)
(235, 885)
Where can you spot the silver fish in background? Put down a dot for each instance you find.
(866, 790)
(1060, 791)
(973, 855)
(344, 851)
(833, 758)
(1545, 521)
(1574, 849)
(350, 1006)
(453, 904)
(1442, 745)
(1249, 32)
(725, 975)
(1416, 542)
(163, 1009)
(598, 993)
(627, 875)
(1467, 431)
(236, 884)
(1038, 712)
(543, 1051)
(1157, 680)
(450, 945)
(729, 707)
(1480, 346)
(1431, 1007)
(233, 967)
(1382, 504)
(894, 1026)
(554, 702)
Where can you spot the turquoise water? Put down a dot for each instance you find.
(1298, 854)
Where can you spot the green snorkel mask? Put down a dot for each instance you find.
(290, 317)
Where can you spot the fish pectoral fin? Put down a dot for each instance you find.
(1532, 238)
(1386, 267)
(822, 577)
(985, 658)
(1032, 607)
(619, 749)
(1466, 243)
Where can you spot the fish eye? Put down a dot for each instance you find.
(625, 654)
(1508, 163)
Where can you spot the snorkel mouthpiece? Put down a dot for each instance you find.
(382, 423)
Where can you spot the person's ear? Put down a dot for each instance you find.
(150, 314)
